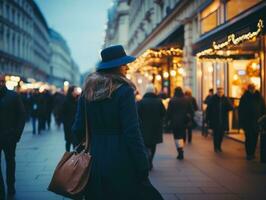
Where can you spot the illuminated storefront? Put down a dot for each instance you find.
(162, 67)
(231, 51)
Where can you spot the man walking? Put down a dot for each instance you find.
(12, 121)
(251, 108)
(217, 115)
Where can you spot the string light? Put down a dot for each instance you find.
(232, 40)
(144, 58)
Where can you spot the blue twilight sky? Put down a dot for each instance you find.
(81, 23)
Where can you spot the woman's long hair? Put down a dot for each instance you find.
(178, 92)
(103, 83)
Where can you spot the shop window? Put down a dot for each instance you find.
(241, 73)
(210, 17)
(207, 75)
(235, 7)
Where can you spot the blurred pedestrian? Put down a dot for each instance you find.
(178, 113)
(251, 108)
(205, 124)
(191, 124)
(12, 121)
(69, 109)
(58, 100)
(120, 165)
(49, 107)
(34, 109)
(217, 116)
(209, 96)
(41, 111)
(151, 113)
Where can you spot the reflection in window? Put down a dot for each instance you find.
(234, 7)
(210, 17)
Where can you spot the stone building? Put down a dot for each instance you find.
(26, 45)
(62, 66)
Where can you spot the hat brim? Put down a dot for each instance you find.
(115, 63)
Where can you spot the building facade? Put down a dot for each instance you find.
(230, 50)
(26, 49)
(198, 44)
(62, 66)
(117, 25)
(24, 40)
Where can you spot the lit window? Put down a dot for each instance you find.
(209, 17)
(235, 7)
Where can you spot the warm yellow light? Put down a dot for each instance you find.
(210, 69)
(158, 77)
(254, 66)
(11, 84)
(255, 81)
(181, 71)
(150, 77)
(139, 81)
(235, 77)
(15, 78)
(165, 74)
(79, 90)
(66, 83)
(173, 73)
(146, 74)
(200, 73)
(128, 76)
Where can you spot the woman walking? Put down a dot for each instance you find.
(120, 166)
(151, 112)
(178, 113)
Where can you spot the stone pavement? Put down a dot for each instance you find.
(203, 174)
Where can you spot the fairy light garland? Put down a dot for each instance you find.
(232, 40)
(150, 54)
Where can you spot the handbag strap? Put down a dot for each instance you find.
(87, 136)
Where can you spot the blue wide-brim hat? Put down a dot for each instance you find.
(113, 57)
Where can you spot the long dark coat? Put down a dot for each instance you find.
(69, 110)
(12, 116)
(179, 112)
(151, 113)
(117, 148)
(217, 112)
(251, 108)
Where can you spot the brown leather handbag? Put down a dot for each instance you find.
(73, 171)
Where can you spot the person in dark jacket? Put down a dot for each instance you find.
(33, 109)
(58, 100)
(191, 124)
(151, 113)
(217, 115)
(41, 111)
(69, 109)
(178, 112)
(251, 108)
(12, 121)
(120, 164)
(208, 97)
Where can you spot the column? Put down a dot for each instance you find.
(188, 58)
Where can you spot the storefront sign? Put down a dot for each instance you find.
(232, 40)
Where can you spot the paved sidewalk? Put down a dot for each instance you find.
(203, 174)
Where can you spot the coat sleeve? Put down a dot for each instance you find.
(131, 130)
(78, 127)
(21, 117)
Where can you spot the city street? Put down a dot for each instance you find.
(203, 174)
